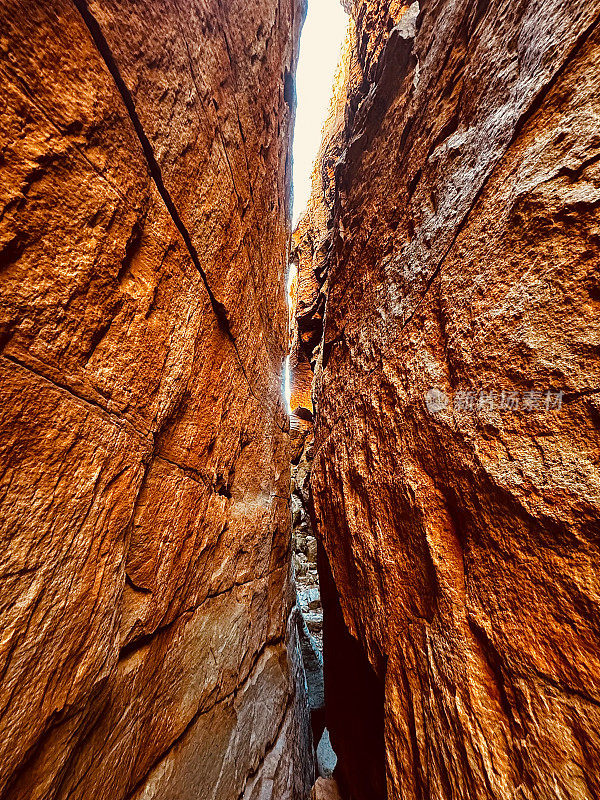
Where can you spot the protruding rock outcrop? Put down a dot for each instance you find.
(453, 324)
(148, 645)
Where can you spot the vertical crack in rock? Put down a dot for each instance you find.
(154, 169)
(153, 166)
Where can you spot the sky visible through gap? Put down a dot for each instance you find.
(320, 47)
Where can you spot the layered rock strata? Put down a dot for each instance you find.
(148, 644)
(455, 476)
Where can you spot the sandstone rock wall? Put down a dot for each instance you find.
(461, 535)
(147, 648)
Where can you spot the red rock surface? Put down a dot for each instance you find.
(325, 789)
(460, 560)
(145, 456)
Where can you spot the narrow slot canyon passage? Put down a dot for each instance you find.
(381, 583)
(323, 35)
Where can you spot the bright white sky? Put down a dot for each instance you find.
(320, 47)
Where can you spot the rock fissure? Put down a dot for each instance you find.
(155, 172)
(152, 164)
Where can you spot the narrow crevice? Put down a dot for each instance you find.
(310, 612)
(357, 728)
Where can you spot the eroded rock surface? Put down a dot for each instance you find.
(148, 644)
(325, 789)
(460, 253)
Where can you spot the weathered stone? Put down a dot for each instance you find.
(460, 253)
(326, 759)
(145, 649)
(325, 789)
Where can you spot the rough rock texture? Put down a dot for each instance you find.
(325, 789)
(147, 646)
(304, 542)
(460, 562)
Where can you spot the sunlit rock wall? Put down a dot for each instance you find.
(147, 644)
(455, 476)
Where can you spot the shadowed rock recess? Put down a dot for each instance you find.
(148, 637)
(448, 268)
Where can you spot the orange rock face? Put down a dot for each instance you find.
(145, 645)
(456, 501)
